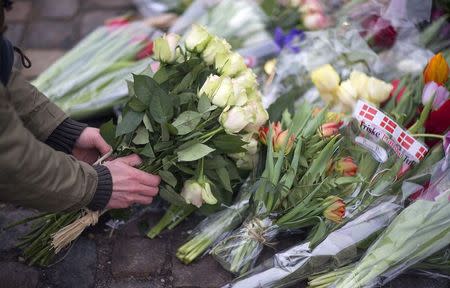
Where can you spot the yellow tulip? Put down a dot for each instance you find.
(326, 79)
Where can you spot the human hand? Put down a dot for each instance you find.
(90, 146)
(130, 185)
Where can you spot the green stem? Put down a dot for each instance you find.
(429, 136)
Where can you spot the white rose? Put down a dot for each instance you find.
(230, 64)
(223, 92)
(207, 195)
(247, 79)
(192, 193)
(234, 119)
(164, 48)
(197, 39)
(258, 114)
(215, 46)
(210, 86)
(252, 143)
(245, 161)
(239, 97)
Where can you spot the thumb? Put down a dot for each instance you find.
(101, 145)
(131, 160)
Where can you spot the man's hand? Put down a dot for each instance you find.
(130, 185)
(90, 146)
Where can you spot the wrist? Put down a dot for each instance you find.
(104, 188)
(63, 138)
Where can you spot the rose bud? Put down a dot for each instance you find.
(164, 48)
(197, 39)
(230, 64)
(215, 47)
(234, 120)
(192, 193)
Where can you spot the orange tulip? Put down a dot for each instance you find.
(330, 129)
(335, 210)
(436, 70)
(278, 138)
(346, 166)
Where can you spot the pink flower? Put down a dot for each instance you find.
(440, 94)
(315, 21)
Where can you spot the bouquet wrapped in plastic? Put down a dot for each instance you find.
(241, 22)
(193, 127)
(77, 81)
(342, 246)
(419, 231)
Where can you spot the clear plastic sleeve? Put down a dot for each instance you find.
(216, 226)
(420, 230)
(242, 23)
(339, 248)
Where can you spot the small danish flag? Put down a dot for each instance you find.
(388, 125)
(405, 141)
(368, 112)
(421, 153)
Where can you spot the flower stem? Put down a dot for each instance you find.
(429, 136)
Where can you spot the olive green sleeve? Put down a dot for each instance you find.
(38, 114)
(35, 175)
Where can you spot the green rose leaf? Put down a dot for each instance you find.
(141, 136)
(107, 130)
(186, 122)
(130, 86)
(144, 88)
(224, 178)
(129, 122)
(161, 107)
(147, 151)
(136, 105)
(203, 104)
(229, 143)
(194, 152)
(147, 123)
(168, 177)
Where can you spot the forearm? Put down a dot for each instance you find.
(38, 114)
(35, 175)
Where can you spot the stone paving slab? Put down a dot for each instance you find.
(14, 274)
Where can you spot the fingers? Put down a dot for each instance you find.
(139, 199)
(144, 190)
(101, 145)
(131, 160)
(146, 178)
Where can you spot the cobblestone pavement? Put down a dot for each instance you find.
(45, 29)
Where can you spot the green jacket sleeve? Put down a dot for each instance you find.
(32, 173)
(38, 114)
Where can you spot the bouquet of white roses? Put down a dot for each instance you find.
(194, 122)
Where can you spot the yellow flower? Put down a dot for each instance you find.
(359, 81)
(347, 95)
(326, 79)
(436, 70)
(377, 91)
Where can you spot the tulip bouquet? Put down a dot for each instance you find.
(419, 231)
(342, 246)
(306, 193)
(194, 122)
(89, 79)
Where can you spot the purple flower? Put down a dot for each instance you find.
(440, 94)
